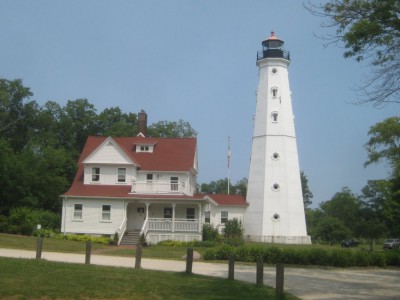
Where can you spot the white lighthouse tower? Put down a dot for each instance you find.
(276, 212)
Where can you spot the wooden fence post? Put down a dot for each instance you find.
(189, 261)
(260, 271)
(138, 257)
(279, 281)
(39, 248)
(88, 252)
(231, 269)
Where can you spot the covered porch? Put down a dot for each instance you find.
(159, 220)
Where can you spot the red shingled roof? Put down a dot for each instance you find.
(170, 154)
(226, 200)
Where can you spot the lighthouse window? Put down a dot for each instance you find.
(274, 92)
(276, 216)
(274, 70)
(275, 116)
(275, 156)
(275, 187)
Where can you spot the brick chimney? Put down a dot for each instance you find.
(142, 122)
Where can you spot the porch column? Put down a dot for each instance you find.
(147, 210)
(200, 216)
(173, 217)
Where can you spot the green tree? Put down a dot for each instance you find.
(368, 30)
(113, 122)
(181, 129)
(384, 144)
(15, 112)
(344, 206)
(307, 194)
(79, 121)
(381, 207)
(331, 229)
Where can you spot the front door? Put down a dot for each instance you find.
(136, 216)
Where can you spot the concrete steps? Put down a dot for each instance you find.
(131, 238)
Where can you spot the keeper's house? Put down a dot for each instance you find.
(142, 185)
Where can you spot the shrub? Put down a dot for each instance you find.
(143, 241)
(378, 259)
(393, 258)
(210, 233)
(272, 255)
(318, 256)
(233, 229)
(24, 220)
(85, 238)
(295, 256)
(205, 243)
(244, 254)
(210, 254)
(342, 258)
(3, 223)
(234, 241)
(224, 252)
(49, 233)
(362, 258)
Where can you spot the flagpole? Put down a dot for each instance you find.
(229, 160)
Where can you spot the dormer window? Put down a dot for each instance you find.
(145, 148)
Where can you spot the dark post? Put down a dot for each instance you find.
(279, 281)
(260, 271)
(39, 248)
(138, 257)
(231, 269)
(88, 252)
(189, 261)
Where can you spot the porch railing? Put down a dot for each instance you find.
(121, 230)
(156, 186)
(166, 224)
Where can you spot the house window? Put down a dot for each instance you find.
(190, 213)
(167, 212)
(207, 218)
(174, 183)
(121, 174)
(106, 213)
(144, 148)
(77, 211)
(95, 174)
(149, 177)
(224, 216)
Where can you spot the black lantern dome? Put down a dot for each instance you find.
(273, 48)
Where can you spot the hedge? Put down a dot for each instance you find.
(309, 256)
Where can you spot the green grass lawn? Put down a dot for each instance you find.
(39, 279)
(54, 245)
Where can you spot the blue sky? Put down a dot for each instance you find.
(195, 60)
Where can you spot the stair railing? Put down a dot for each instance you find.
(145, 227)
(121, 230)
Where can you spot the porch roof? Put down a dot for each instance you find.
(78, 189)
(227, 200)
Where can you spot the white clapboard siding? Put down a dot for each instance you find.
(108, 153)
(91, 222)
